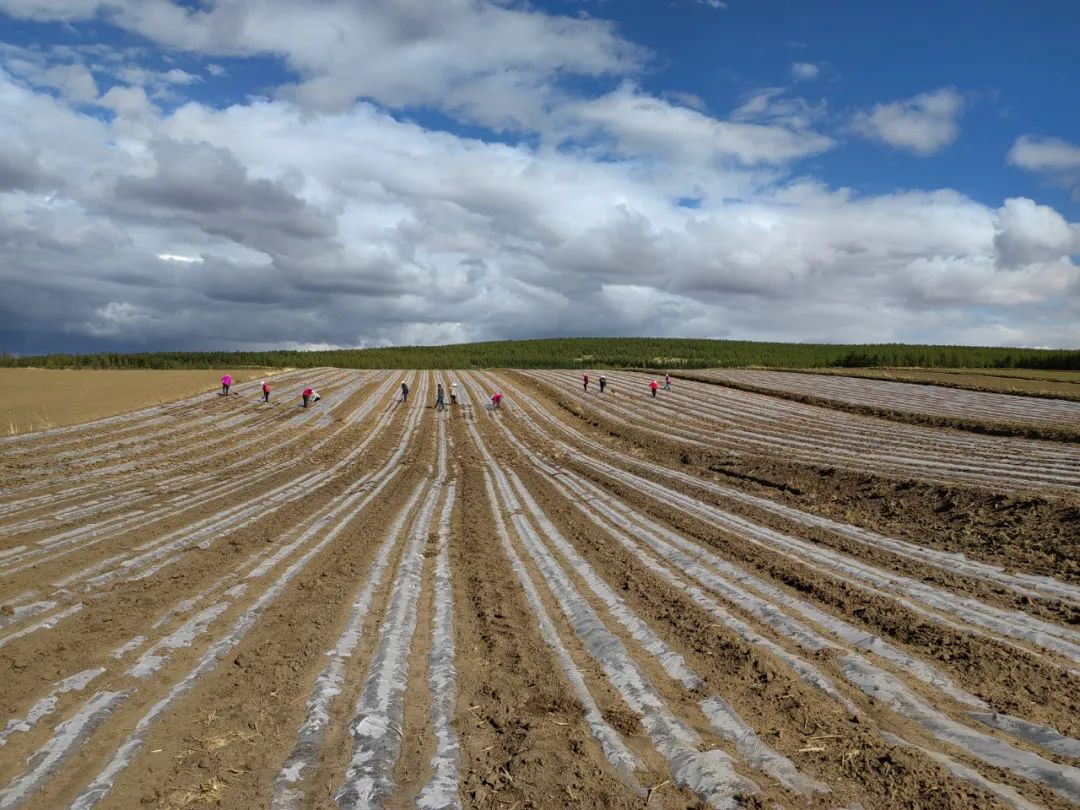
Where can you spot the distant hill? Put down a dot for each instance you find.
(659, 353)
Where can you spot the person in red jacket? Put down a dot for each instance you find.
(496, 400)
(653, 386)
(585, 381)
(307, 396)
(266, 391)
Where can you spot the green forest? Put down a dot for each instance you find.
(654, 353)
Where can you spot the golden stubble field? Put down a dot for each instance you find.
(36, 398)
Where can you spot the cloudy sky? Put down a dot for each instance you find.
(307, 173)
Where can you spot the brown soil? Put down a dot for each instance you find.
(524, 741)
(1026, 382)
(989, 428)
(1032, 533)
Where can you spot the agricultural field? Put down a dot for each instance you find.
(36, 399)
(713, 597)
(964, 406)
(1021, 381)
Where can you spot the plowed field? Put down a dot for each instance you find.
(710, 598)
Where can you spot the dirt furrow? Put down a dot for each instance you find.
(320, 535)
(856, 670)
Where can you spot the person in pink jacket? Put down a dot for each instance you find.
(266, 391)
(226, 381)
(585, 381)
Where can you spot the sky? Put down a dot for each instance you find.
(250, 174)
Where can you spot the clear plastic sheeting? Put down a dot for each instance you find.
(47, 705)
(622, 759)
(710, 775)
(729, 725)
(962, 771)
(328, 683)
(66, 739)
(376, 728)
(443, 788)
(1032, 732)
(1062, 779)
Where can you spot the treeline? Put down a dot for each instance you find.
(662, 353)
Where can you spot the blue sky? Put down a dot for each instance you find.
(276, 173)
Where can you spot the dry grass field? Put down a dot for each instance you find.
(32, 398)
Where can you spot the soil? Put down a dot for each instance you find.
(193, 568)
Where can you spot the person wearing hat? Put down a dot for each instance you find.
(226, 381)
(307, 396)
(653, 386)
(453, 393)
(603, 383)
(266, 391)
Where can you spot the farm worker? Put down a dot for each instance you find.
(653, 386)
(404, 392)
(315, 396)
(307, 396)
(585, 381)
(453, 393)
(667, 382)
(226, 381)
(603, 383)
(266, 391)
(440, 402)
(496, 400)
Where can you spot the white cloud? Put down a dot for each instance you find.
(923, 124)
(804, 71)
(770, 105)
(130, 102)
(1028, 233)
(1057, 160)
(353, 226)
(494, 62)
(641, 123)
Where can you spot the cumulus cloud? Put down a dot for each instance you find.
(1057, 160)
(1028, 234)
(804, 71)
(923, 124)
(344, 223)
(487, 59)
(639, 122)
